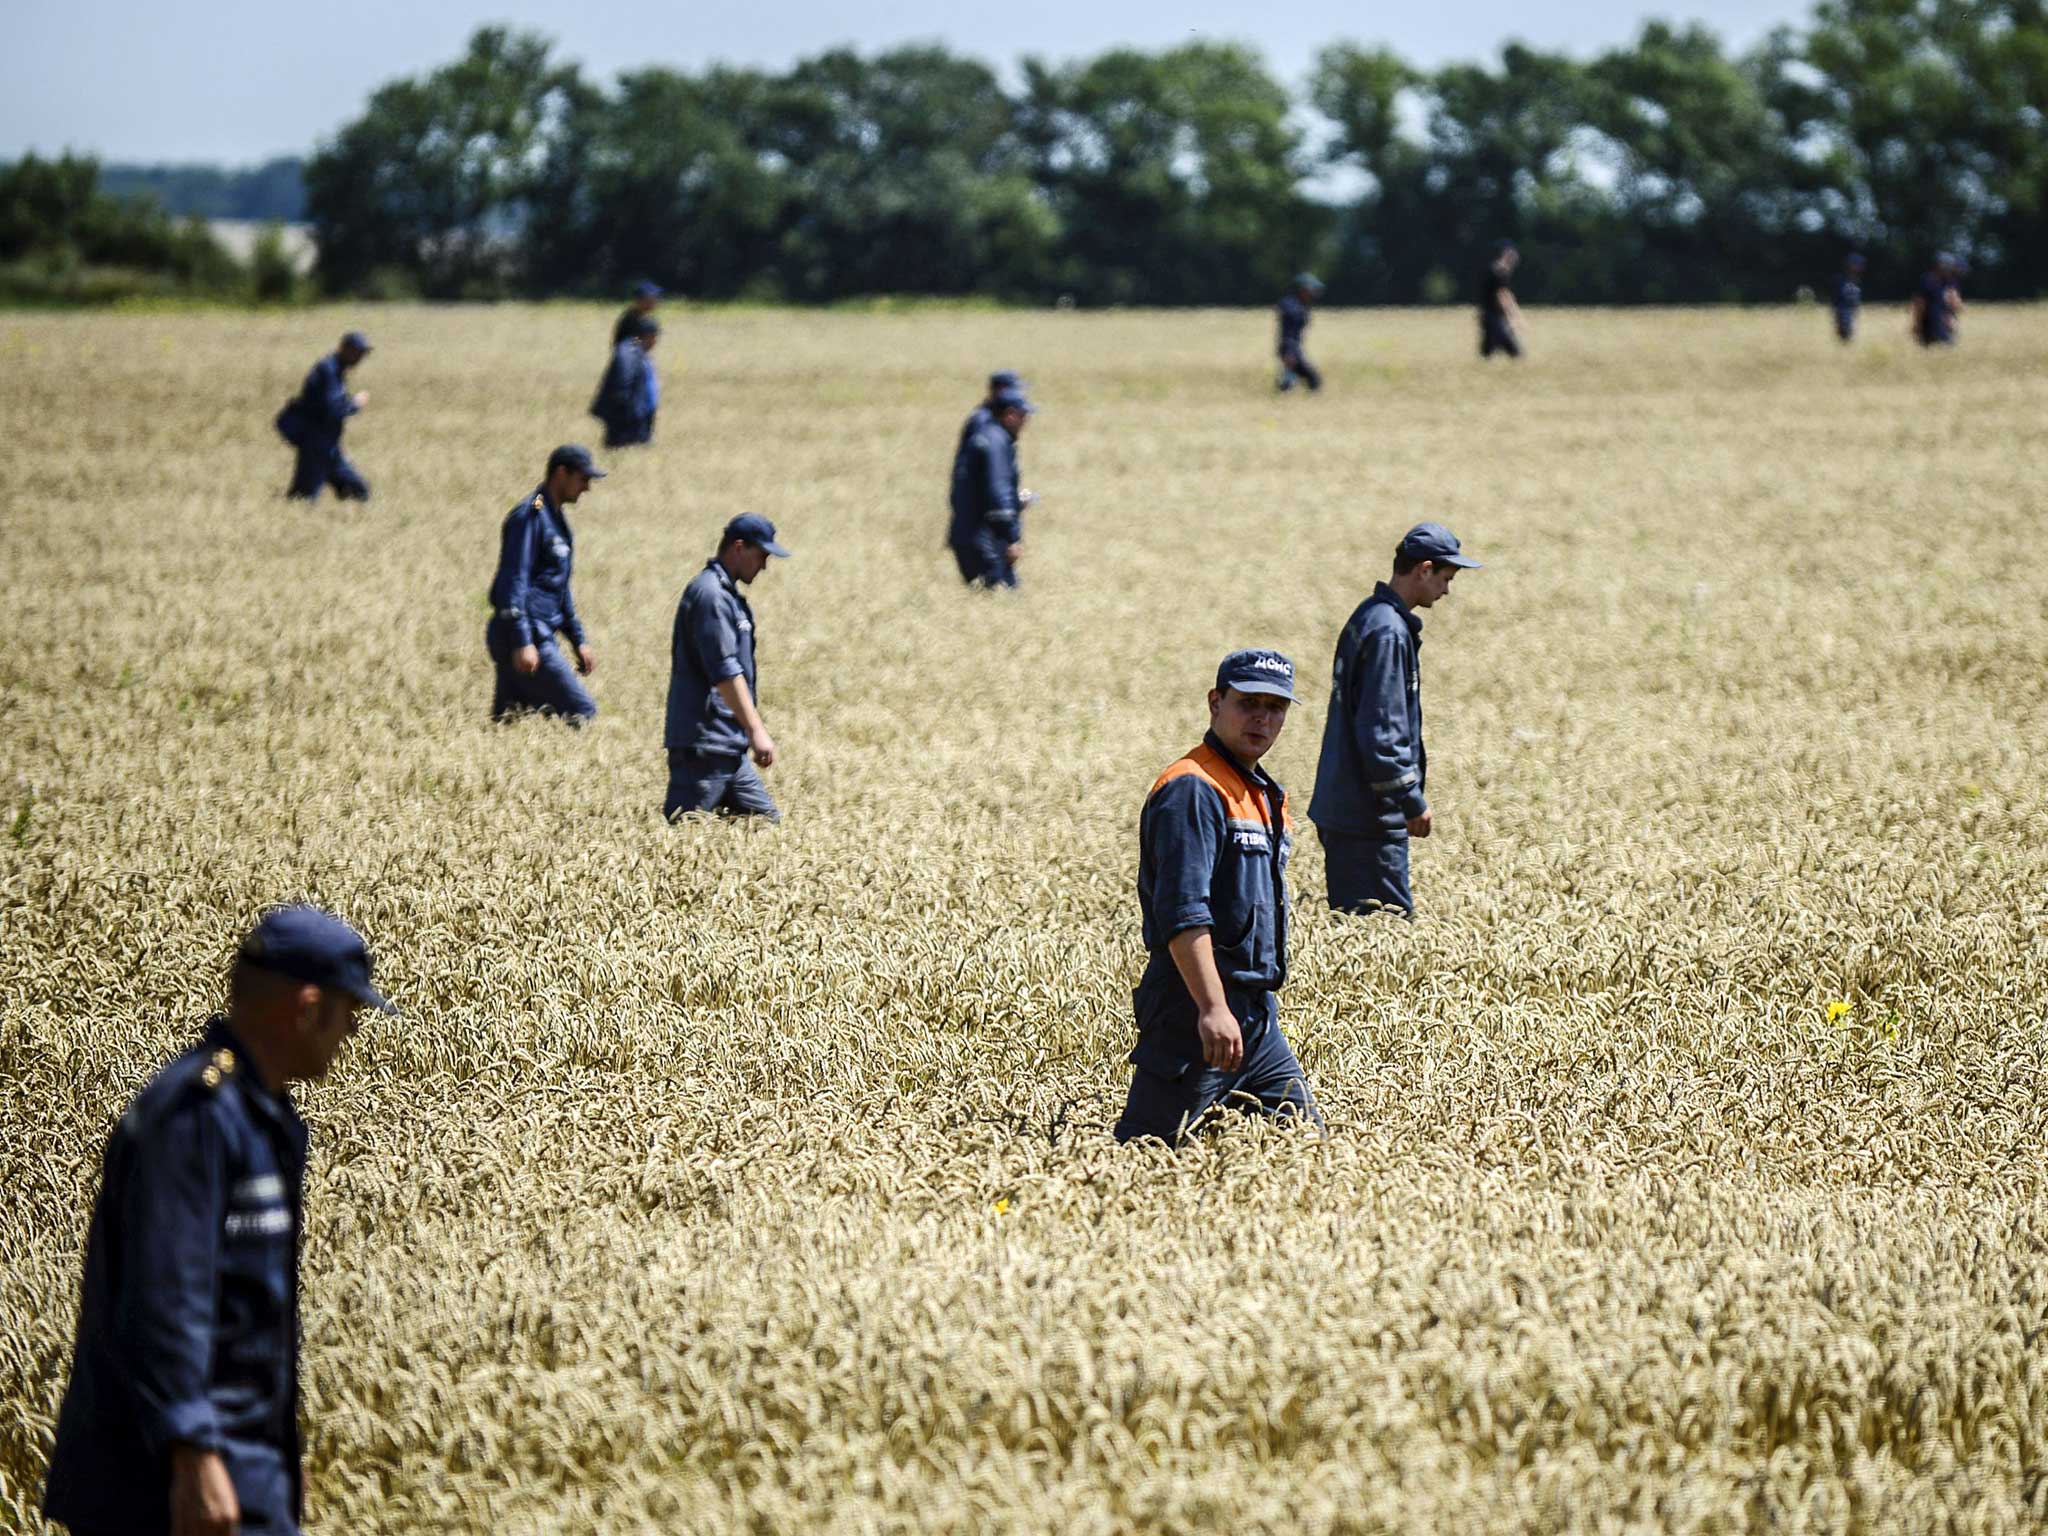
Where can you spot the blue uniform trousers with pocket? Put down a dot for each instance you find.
(731, 786)
(984, 562)
(1366, 874)
(1172, 1090)
(321, 465)
(552, 688)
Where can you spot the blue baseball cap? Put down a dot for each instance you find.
(646, 290)
(355, 341)
(1309, 281)
(1003, 379)
(754, 529)
(1258, 672)
(315, 947)
(574, 456)
(1433, 541)
(1013, 397)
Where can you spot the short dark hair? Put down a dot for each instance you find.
(1403, 564)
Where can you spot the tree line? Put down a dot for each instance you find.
(1669, 170)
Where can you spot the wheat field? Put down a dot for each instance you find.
(1685, 1160)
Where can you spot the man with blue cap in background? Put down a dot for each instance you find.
(714, 716)
(1938, 303)
(1846, 297)
(1500, 317)
(1293, 311)
(645, 297)
(986, 533)
(999, 383)
(531, 601)
(1369, 798)
(181, 1414)
(1213, 845)
(312, 420)
(629, 394)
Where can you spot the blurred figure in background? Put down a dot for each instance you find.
(312, 420)
(1938, 303)
(714, 717)
(1369, 798)
(645, 297)
(986, 534)
(1293, 311)
(998, 382)
(182, 1412)
(531, 601)
(629, 393)
(1500, 317)
(1846, 299)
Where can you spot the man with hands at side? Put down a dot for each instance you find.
(1213, 845)
(531, 601)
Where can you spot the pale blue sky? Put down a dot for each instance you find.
(237, 81)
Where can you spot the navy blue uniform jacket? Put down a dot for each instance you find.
(1213, 845)
(1370, 777)
(713, 640)
(188, 1327)
(531, 590)
(1293, 321)
(313, 417)
(985, 487)
(622, 394)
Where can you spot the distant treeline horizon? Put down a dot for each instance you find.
(1668, 170)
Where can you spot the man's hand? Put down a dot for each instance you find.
(1013, 552)
(1025, 498)
(526, 659)
(763, 747)
(586, 660)
(203, 1501)
(1420, 826)
(1222, 1040)
(362, 398)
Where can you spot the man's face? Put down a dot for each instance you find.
(1433, 579)
(325, 1020)
(569, 485)
(350, 356)
(747, 560)
(1013, 419)
(644, 302)
(647, 341)
(1246, 723)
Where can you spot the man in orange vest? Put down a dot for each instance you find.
(1213, 845)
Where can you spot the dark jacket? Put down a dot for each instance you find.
(626, 394)
(188, 1329)
(530, 593)
(984, 498)
(1293, 321)
(713, 640)
(313, 417)
(1213, 845)
(1370, 777)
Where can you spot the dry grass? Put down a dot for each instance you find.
(726, 1178)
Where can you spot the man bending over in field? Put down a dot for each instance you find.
(1212, 883)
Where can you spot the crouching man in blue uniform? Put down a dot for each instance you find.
(531, 600)
(1213, 845)
(1369, 798)
(714, 719)
(182, 1410)
(312, 421)
(986, 534)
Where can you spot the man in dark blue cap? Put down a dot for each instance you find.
(1500, 317)
(1846, 296)
(645, 297)
(311, 422)
(714, 717)
(182, 1410)
(629, 394)
(1213, 845)
(986, 533)
(1293, 310)
(1001, 382)
(531, 601)
(1369, 798)
(1938, 303)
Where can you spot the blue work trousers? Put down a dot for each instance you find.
(552, 688)
(731, 786)
(319, 467)
(984, 562)
(1171, 1094)
(1294, 365)
(1496, 335)
(1366, 874)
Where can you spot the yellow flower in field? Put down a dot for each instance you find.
(1838, 1010)
(1002, 1207)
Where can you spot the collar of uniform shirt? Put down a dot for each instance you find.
(1254, 777)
